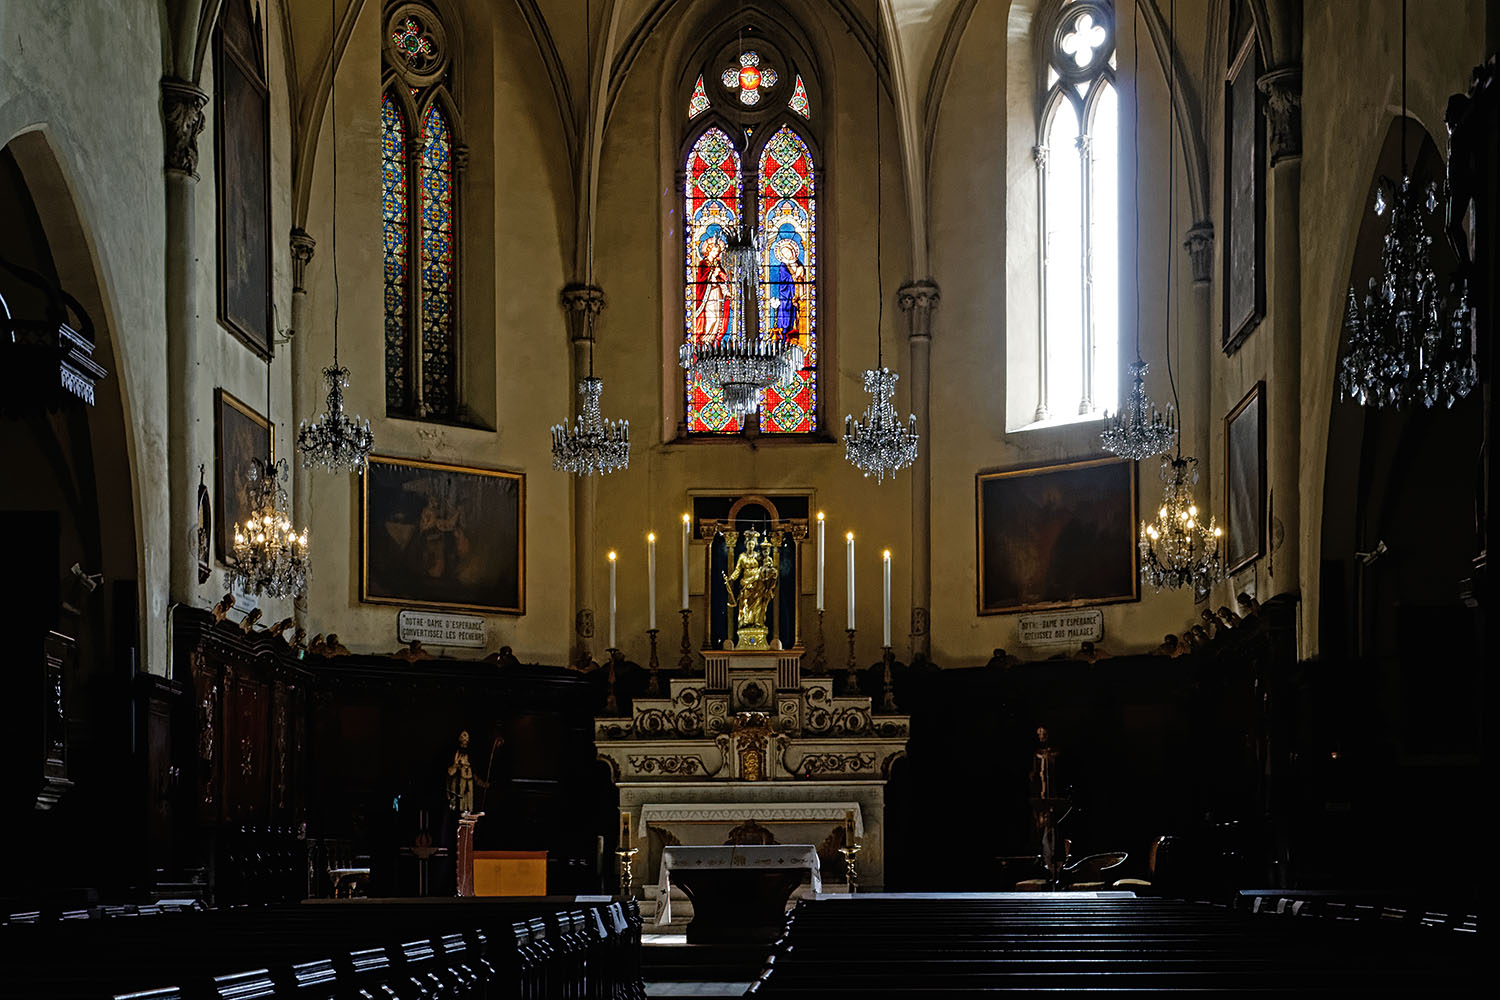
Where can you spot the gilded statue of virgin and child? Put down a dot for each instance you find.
(756, 570)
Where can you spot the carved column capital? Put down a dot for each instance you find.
(302, 252)
(583, 304)
(182, 122)
(917, 299)
(460, 157)
(1200, 248)
(1039, 156)
(1283, 90)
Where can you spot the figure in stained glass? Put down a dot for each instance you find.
(789, 270)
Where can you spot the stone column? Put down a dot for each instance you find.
(304, 386)
(917, 300)
(182, 121)
(1039, 157)
(1283, 90)
(1196, 369)
(582, 304)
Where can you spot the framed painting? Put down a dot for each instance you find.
(243, 164)
(1244, 284)
(1057, 536)
(442, 536)
(240, 436)
(1245, 480)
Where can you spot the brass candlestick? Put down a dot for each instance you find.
(685, 661)
(851, 872)
(653, 686)
(819, 666)
(851, 676)
(627, 869)
(888, 703)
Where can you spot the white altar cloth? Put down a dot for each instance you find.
(732, 856)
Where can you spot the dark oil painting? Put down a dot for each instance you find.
(240, 436)
(1057, 536)
(445, 536)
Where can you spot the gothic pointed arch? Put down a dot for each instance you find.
(422, 152)
(751, 119)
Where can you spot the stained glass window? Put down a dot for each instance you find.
(698, 103)
(419, 192)
(788, 290)
(436, 178)
(798, 103)
(1078, 155)
(712, 206)
(393, 198)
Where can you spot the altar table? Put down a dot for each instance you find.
(739, 892)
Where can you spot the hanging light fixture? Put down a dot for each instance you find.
(879, 444)
(1178, 549)
(1139, 430)
(335, 440)
(270, 555)
(1405, 344)
(592, 444)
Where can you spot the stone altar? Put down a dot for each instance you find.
(752, 739)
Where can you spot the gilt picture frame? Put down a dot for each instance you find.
(1244, 247)
(241, 435)
(1245, 480)
(1057, 536)
(435, 535)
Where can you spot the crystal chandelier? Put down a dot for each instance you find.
(593, 444)
(270, 556)
(1179, 550)
(741, 363)
(335, 440)
(1405, 345)
(879, 444)
(1139, 430)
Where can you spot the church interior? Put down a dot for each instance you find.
(474, 544)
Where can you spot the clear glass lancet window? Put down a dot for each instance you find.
(1079, 150)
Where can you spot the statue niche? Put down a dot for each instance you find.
(753, 573)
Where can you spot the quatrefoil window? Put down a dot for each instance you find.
(1084, 41)
(749, 78)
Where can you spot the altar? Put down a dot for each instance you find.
(753, 752)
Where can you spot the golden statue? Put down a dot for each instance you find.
(461, 778)
(757, 570)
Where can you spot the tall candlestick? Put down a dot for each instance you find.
(886, 634)
(821, 526)
(651, 580)
(850, 539)
(687, 530)
(612, 599)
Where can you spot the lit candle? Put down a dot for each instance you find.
(886, 634)
(624, 829)
(611, 598)
(651, 580)
(850, 539)
(821, 526)
(687, 527)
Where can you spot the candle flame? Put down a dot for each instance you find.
(820, 515)
(611, 555)
(887, 553)
(650, 536)
(850, 536)
(687, 519)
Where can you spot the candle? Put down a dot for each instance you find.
(624, 829)
(612, 599)
(821, 526)
(687, 528)
(651, 580)
(850, 539)
(848, 827)
(886, 634)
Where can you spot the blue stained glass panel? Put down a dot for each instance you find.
(435, 192)
(394, 202)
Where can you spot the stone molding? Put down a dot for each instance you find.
(583, 304)
(302, 253)
(1283, 91)
(182, 122)
(1200, 248)
(917, 299)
